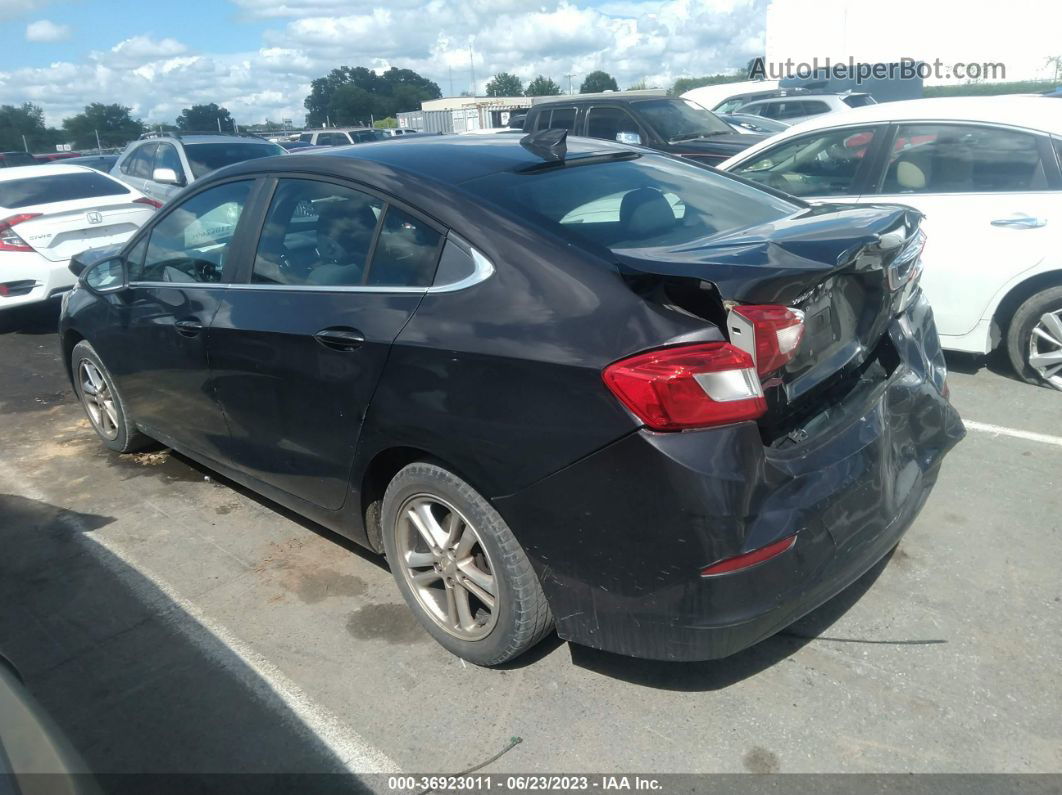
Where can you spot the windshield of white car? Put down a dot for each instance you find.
(681, 120)
(205, 158)
(53, 188)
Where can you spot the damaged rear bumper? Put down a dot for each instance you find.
(619, 538)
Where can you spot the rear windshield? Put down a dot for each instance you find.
(57, 188)
(644, 202)
(205, 158)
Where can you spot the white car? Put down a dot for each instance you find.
(49, 213)
(796, 108)
(985, 173)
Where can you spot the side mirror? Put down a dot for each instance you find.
(106, 276)
(167, 176)
(629, 138)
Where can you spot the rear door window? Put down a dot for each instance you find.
(316, 233)
(824, 163)
(53, 188)
(813, 108)
(944, 158)
(558, 119)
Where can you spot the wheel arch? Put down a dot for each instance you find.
(70, 338)
(1015, 297)
(378, 474)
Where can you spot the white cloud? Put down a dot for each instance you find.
(655, 40)
(44, 30)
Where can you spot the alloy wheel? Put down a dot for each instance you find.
(447, 567)
(1045, 348)
(98, 400)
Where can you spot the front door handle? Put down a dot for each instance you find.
(340, 339)
(1020, 221)
(188, 328)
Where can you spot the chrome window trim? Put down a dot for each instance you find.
(483, 270)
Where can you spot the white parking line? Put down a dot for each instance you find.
(254, 671)
(1000, 430)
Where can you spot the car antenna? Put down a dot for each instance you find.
(548, 144)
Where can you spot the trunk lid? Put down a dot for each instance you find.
(832, 262)
(58, 234)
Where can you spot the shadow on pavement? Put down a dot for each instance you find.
(135, 682)
(972, 363)
(719, 674)
(42, 318)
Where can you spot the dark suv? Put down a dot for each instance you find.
(669, 124)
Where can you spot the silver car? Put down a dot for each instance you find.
(160, 164)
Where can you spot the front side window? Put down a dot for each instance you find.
(142, 161)
(167, 157)
(639, 202)
(611, 124)
(190, 243)
(316, 233)
(820, 164)
(943, 158)
(204, 158)
(813, 108)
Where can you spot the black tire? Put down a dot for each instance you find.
(1021, 328)
(126, 438)
(522, 615)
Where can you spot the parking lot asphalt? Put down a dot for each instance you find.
(173, 622)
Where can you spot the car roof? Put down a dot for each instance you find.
(446, 158)
(43, 170)
(204, 138)
(597, 99)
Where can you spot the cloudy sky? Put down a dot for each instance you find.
(257, 57)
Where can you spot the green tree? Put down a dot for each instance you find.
(388, 123)
(205, 118)
(26, 120)
(598, 81)
(114, 124)
(505, 84)
(542, 86)
(353, 95)
(684, 84)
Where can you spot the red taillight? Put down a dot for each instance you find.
(691, 386)
(147, 201)
(749, 558)
(9, 239)
(776, 332)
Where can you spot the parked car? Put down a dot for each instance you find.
(293, 145)
(397, 132)
(728, 97)
(748, 123)
(669, 431)
(668, 124)
(102, 163)
(50, 212)
(51, 157)
(14, 159)
(343, 136)
(985, 171)
(795, 109)
(160, 164)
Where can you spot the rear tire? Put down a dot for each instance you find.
(103, 403)
(1036, 331)
(459, 567)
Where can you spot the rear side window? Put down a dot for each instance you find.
(406, 253)
(58, 188)
(942, 158)
(204, 158)
(646, 201)
(307, 137)
(557, 119)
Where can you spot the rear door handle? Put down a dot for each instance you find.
(340, 339)
(1020, 221)
(188, 328)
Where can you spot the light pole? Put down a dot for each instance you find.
(570, 91)
(99, 149)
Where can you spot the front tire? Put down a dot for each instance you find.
(102, 402)
(459, 567)
(1034, 339)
